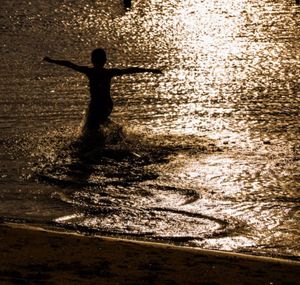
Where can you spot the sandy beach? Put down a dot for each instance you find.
(205, 155)
(32, 255)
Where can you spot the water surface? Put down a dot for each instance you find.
(209, 155)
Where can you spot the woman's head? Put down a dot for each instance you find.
(98, 57)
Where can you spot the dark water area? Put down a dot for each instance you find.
(205, 155)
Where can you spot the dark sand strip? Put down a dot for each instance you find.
(30, 255)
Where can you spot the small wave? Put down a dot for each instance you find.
(112, 182)
(161, 224)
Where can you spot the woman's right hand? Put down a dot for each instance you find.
(46, 58)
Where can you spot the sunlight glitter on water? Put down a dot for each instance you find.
(218, 73)
(212, 155)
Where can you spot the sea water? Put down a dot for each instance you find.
(205, 155)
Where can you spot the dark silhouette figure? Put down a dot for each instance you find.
(127, 4)
(101, 103)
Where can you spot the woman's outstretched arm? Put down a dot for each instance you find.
(132, 70)
(67, 63)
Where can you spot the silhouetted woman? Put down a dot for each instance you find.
(101, 104)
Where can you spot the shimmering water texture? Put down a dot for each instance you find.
(205, 155)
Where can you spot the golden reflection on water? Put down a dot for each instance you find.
(200, 41)
(227, 71)
(216, 62)
(228, 104)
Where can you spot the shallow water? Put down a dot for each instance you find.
(208, 155)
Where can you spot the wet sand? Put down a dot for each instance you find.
(31, 255)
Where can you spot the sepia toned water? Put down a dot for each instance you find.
(206, 155)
